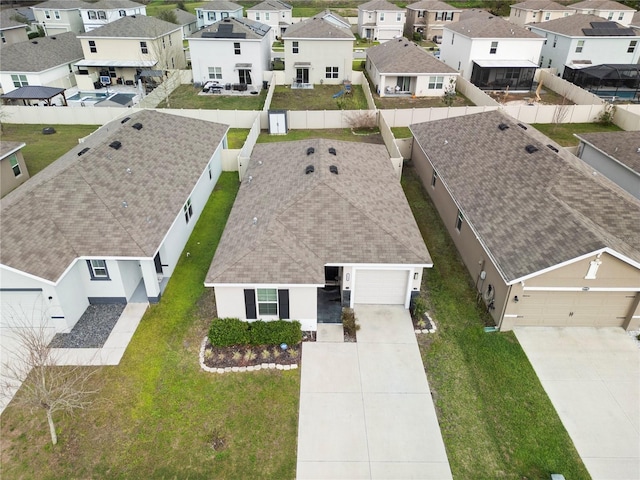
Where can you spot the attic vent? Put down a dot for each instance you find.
(309, 169)
(333, 169)
(115, 145)
(137, 126)
(125, 120)
(522, 126)
(34, 42)
(551, 147)
(53, 38)
(503, 126)
(83, 151)
(310, 150)
(332, 151)
(531, 148)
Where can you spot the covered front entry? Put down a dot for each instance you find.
(381, 287)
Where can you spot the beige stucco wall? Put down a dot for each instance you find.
(321, 54)
(69, 21)
(433, 26)
(8, 180)
(522, 17)
(14, 35)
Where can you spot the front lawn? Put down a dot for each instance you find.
(41, 150)
(158, 416)
(320, 97)
(186, 96)
(344, 134)
(562, 133)
(496, 419)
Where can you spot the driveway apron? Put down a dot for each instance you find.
(366, 411)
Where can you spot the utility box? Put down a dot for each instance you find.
(278, 122)
(557, 476)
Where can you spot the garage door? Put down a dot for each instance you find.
(381, 287)
(586, 309)
(20, 307)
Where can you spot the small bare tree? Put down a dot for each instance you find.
(46, 386)
(361, 120)
(561, 111)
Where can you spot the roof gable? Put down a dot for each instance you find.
(324, 26)
(540, 5)
(133, 26)
(433, 6)
(270, 6)
(402, 56)
(483, 25)
(380, 5)
(623, 146)
(42, 53)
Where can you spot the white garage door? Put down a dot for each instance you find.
(20, 307)
(381, 287)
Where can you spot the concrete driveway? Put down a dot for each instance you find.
(365, 408)
(592, 376)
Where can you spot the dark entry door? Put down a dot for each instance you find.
(158, 262)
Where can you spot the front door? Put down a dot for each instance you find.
(302, 75)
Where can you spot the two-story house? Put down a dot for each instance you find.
(12, 31)
(380, 20)
(126, 48)
(231, 51)
(274, 13)
(492, 53)
(534, 11)
(187, 20)
(98, 14)
(580, 41)
(318, 50)
(608, 9)
(59, 16)
(428, 18)
(216, 10)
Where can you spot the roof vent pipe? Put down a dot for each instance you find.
(333, 169)
(310, 150)
(309, 169)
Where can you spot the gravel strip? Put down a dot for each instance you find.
(93, 328)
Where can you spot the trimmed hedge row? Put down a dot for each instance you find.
(225, 332)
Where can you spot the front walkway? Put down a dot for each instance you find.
(592, 376)
(365, 408)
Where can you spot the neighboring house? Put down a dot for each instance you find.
(400, 67)
(129, 48)
(59, 16)
(12, 31)
(231, 51)
(546, 242)
(579, 41)
(45, 61)
(534, 11)
(188, 21)
(428, 18)
(491, 52)
(216, 10)
(380, 20)
(98, 14)
(607, 9)
(308, 219)
(13, 170)
(635, 21)
(107, 222)
(274, 13)
(614, 154)
(318, 50)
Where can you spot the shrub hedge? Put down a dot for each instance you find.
(225, 332)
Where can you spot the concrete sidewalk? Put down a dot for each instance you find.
(365, 408)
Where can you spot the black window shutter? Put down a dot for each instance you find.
(283, 304)
(250, 304)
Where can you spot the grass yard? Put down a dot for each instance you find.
(158, 416)
(320, 97)
(496, 420)
(407, 101)
(186, 96)
(401, 132)
(562, 133)
(236, 137)
(343, 134)
(41, 150)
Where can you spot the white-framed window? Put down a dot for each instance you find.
(163, 43)
(331, 72)
(224, 15)
(610, 16)
(98, 269)
(188, 210)
(92, 46)
(459, 221)
(266, 15)
(258, 16)
(621, 16)
(267, 301)
(211, 16)
(555, 41)
(420, 13)
(434, 179)
(15, 166)
(200, 13)
(632, 46)
(19, 81)
(144, 48)
(494, 47)
(435, 83)
(122, 13)
(4, 40)
(398, 17)
(47, 14)
(294, 47)
(236, 48)
(56, 14)
(102, 15)
(547, 16)
(215, 73)
(92, 15)
(382, 16)
(579, 46)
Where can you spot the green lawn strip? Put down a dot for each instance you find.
(186, 96)
(320, 97)
(158, 414)
(495, 417)
(401, 132)
(563, 132)
(344, 134)
(406, 101)
(237, 136)
(41, 150)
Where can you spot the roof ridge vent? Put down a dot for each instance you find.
(332, 151)
(551, 147)
(309, 169)
(310, 150)
(115, 145)
(522, 126)
(137, 126)
(125, 120)
(531, 148)
(83, 151)
(333, 169)
(503, 126)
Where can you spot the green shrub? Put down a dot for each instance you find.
(419, 307)
(275, 332)
(229, 331)
(349, 322)
(417, 37)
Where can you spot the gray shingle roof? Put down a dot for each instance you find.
(270, 5)
(74, 207)
(537, 5)
(61, 5)
(531, 211)
(32, 92)
(489, 26)
(111, 5)
(379, 5)
(222, 5)
(635, 21)
(41, 53)
(133, 26)
(318, 27)
(304, 220)
(623, 146)
(8, 23)
(600, 5)
(6, 147)
(402, 56)
(184, 18)
(433, 6)
(251, 28)
(572, 25)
